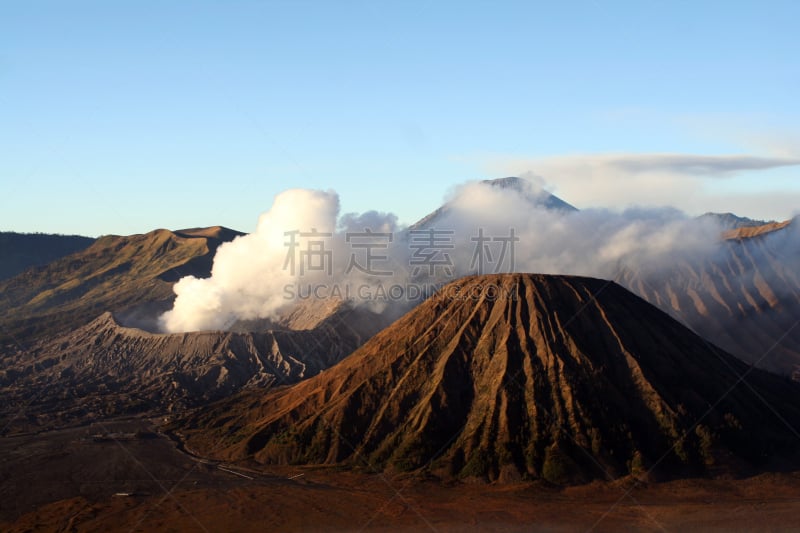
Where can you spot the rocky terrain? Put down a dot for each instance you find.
(303, 500)
(104, 369)
(519, 376)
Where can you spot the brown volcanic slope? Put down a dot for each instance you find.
(113, 274)
(745, 297)
(103, 368)
(549, 382)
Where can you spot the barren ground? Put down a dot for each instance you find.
(67, 481)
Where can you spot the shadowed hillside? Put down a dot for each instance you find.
(20, 251)
(743, 297)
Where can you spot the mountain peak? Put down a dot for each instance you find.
(509, 182)
(535, 196)
(531, 191)
(213, 232)
(518, 376)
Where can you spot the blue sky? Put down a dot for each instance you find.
(121, 117)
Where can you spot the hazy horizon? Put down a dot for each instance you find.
(617, 210)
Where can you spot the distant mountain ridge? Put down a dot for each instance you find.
(732, 221)
(20, 251)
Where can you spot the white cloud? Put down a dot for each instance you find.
(693, 183)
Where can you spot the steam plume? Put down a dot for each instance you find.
(303, 242)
